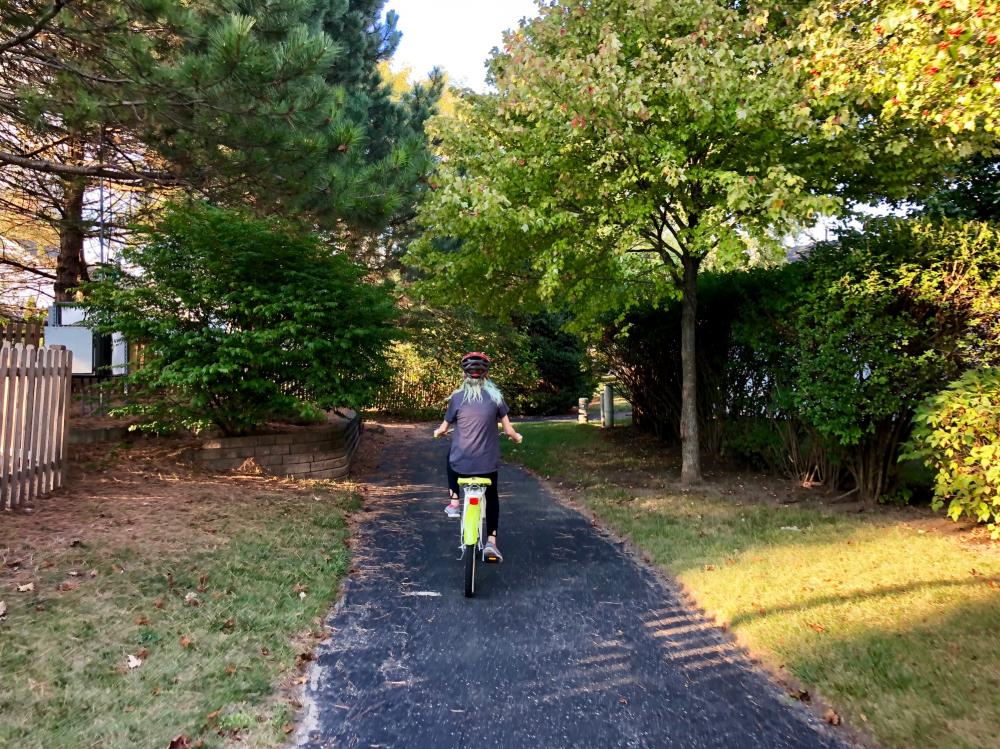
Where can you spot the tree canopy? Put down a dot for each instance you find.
(629, 142)
(933, 62)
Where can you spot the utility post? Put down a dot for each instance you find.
(581, 411)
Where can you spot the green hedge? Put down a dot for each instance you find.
(815, 368)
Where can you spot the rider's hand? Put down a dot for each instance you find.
(516, 437)
(438, 432)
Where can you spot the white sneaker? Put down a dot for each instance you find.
(453, 511)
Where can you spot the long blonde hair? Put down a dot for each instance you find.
(473, 390)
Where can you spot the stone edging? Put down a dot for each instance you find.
(323, 453)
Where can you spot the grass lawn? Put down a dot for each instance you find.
(891, 616)
(150, 600)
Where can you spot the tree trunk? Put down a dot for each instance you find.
(690, 449)
(71, 266)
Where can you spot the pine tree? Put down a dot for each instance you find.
(272, 103)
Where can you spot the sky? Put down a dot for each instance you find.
(456, 35)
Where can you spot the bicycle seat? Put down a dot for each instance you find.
(474, 481)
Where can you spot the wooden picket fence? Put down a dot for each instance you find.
(21, 331)
(34, 396)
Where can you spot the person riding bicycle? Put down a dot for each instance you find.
(474, 410)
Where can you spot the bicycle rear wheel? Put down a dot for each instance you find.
(470, 570)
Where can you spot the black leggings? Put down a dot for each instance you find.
(492, 495)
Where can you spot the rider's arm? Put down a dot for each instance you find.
(509, 430)
(442, 429)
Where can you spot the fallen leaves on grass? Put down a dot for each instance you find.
(67, 585)
(831, 717)
(3, 609)
(303, 658)
(26, 588)
(816, 627)
(186, 642)
(179, 742)
(142, 620)
(133, 662)
(801, 695)
(191, 598)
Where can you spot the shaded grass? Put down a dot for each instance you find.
(892, 617)
(210, 598)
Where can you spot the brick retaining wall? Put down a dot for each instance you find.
(317, 453)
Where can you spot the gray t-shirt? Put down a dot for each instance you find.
(475, 446)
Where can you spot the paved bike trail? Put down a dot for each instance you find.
(568, 643)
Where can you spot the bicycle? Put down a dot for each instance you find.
(471, 528)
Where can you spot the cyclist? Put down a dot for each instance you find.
(474, 410)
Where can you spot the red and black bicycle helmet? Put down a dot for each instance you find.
(475, 364)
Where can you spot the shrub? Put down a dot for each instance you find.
(539, 368)
(956, 432)
(832, 353)
(887, 316)
(242, 319)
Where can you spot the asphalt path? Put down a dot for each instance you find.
(569, 643)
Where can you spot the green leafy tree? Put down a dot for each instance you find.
(631, 142)
(242, 319)
(933, 62)
(970, 191)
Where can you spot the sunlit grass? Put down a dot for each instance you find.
(891, 618)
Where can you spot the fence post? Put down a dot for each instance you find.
(608, 406)
(7, 396)
(581, 411)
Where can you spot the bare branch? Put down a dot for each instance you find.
(40, 24)
(4, 260)
(90, 170)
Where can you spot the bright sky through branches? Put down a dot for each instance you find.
(456, 35)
